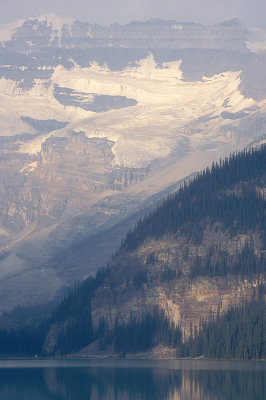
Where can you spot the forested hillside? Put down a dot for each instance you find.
(190, 276)
(227, 193)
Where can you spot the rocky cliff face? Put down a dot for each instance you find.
(200, 253)
(40, 196)
(98, 123)
(52, 31)
(158, 273)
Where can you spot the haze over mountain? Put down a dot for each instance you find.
(123, 11)
(97, 123)
(188, 280)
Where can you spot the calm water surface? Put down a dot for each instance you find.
(131, 380)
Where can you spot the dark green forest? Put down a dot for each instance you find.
(142, 335)
(225, 193)
(239, 333)
(228, 192)
(245, 263)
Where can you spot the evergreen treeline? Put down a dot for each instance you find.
(141, 335)
(226, 193)
(28, 339)
(240, 333)
(75, 309)
(220, 263)
(78, 297)
(22, 341)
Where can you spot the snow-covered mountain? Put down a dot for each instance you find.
(96, 122)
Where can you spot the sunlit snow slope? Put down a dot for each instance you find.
(85, 146)
(168, 110)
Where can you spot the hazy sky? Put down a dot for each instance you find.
(251, 12)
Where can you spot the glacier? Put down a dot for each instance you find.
(98, 124)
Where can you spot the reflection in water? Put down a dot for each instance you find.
(88, 383)
(231, 385)
(117, 383)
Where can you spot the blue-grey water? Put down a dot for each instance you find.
(131, 380)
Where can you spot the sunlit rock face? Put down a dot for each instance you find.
(97, 123)
(185, 300)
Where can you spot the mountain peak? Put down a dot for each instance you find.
(56, 22)
(51, 19)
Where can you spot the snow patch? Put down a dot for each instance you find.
(34, 147)
(11, 123)
(8, 30)
(29, 168)
(138, 153)
(55, 21)
(52, 20)
(9, 87)
(169, 110)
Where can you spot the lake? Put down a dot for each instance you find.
(110, 379)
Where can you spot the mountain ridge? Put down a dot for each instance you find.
(89, 135)
(186, 267)
(173, 270)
